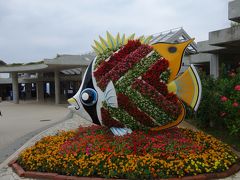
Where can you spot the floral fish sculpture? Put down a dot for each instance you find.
(133, 84)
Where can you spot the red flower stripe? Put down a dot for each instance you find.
(106, 66)
(108, 121)
(152, 76)
(172, 97)
(127, 63)
(125, 103)
(146, 89)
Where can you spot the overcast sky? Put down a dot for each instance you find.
(31, 30)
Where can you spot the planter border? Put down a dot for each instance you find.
(32, 174)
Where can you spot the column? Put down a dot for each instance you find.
(214, 65)
(15, 89)
(57, 87)
(39, 88)
(28, 89)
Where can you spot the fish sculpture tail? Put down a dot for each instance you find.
(187, 87)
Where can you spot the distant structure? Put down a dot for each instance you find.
(58, 79)
(51, 79)
(2, 63)
(222, 46)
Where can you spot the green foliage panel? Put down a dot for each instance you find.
(124, 117)
(148, 106)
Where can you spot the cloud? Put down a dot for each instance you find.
(36, 29)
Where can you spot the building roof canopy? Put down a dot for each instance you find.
(176, 35)
(61, 62)
(223, 41)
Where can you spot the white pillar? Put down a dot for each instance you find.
(15, 89)
(57, 87)
(40, 93)
(214, 66)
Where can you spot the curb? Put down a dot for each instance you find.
(32, 174)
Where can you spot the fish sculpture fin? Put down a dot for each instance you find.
(110, 95)
(120, 131)
(173, 53)
(188, 87)
(174, 123)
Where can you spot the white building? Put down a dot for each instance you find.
(222, 46)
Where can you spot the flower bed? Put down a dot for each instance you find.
(95, 152)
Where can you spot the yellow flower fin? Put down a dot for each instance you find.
(142, 38)
(147, 40)
(97, 51)
(123, 39)
(104, 43)
(118, 40)
(98, 46)
(111, 41)
(131, 37)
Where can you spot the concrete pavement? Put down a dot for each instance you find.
(20, 122)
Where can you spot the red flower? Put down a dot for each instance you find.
(172, 97)
(237, 87)
(232, 74)
(152, 76)
(108, 120)
(117, 57)
(235, 104)
(224, 98)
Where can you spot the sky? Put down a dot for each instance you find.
(32, 30)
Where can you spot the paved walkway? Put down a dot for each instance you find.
(20, 122)
(46, 112)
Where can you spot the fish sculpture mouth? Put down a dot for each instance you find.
(73, 104)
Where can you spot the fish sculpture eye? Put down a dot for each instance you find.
(172, 49)
(88, 97)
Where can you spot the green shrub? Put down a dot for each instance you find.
(210, 107)
(229, 90)
(219, 107)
